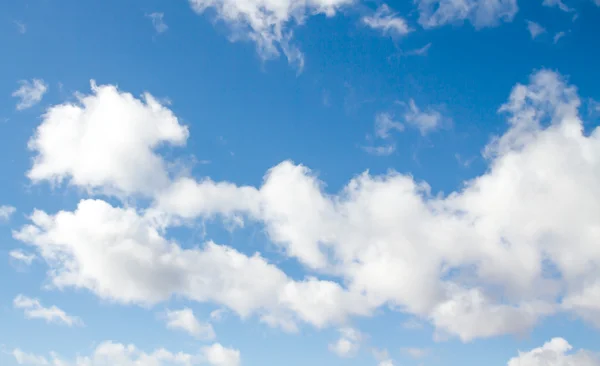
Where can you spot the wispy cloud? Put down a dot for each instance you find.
(30, 93)
(425, 121)
(558, 4)
(185, 320)
(387, 21)
(535, 29)
(33, 309)
(21, 27)
(158, 21)
(6, 212)
(558, 36)
(21, 256)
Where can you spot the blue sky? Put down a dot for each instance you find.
(333, 182)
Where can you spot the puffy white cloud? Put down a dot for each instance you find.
(185, 320)
(535, 29)
(269, 23)
(123, 257)
(348, 343)
(21, 256)
(387, 21)
(33, 309)
(217, 355)
(158, 22)
(111, 353)
(30, 93)
(6, 212)
(481, 13)
(513, 245)
(107, 141)
(556, 352)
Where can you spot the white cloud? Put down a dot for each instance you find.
(387, 21)
(384, 123)
(21, 256)
(111, 353)
(158, 21)
(481, 13)
(535, 29)
(269, 23)
(348, 343)
(34, 310)
(419, 51)
(514, 244)
(557, 4)
(6, 212)
(556, 352)
(217, 355)
(558, 36)
(381, 150)
(21, 27)
(415, 352)
(30, 93)
(107, 141)
(185, 320)
(425, 121)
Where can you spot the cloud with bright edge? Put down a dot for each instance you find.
(481, 13)
(111, 353)
(525, 231)
(33, 309)
(556, 352)
(184, 319)
(30, 93)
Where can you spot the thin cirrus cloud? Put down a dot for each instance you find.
(30, 93)
(158, 22)
(421, 237)
(33, 309)
(387, 21)
(481, 13)
(21, 256)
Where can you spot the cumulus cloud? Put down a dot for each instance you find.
(348, 343)
(387, 22)
(33, 309)
(30, 93)
(481, 13)
(556, 352)
(269, 23)
(185, 320)
(111, 353)
(107, 139)
(6, 212)
(514, 244)
(535, 29)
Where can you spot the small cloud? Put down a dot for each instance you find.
(415, 352)
(348, 343)
(21, 256)
(387, 21)
(383, 357)
(6, 212)
(419, 51)
(30, 93)
(383, 150)
(185, 320)
(384, 123)
(217, 315)
(535, 29)
(558, 4)
(21, 27)
(425, 121)
(34, 310)
(412, 324)
(158, 22)
(558, 36)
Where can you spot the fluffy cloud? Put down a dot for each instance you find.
(185, 320)
(268, 23)
(348, 343)
(30, 93)
(387, 21)
(515, 244)
(556, 352)
(34, 310)
(111, 353)
(217, 355)
(106, 140)
(481, 13)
